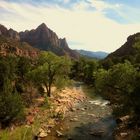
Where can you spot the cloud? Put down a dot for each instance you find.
(102, 5)
(84, 29)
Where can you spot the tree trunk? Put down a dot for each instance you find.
(48, 87)
(49, 92)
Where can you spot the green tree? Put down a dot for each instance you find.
(50, 68)
(11, 105)
(117, 83)
(24, 65)
(83, 69)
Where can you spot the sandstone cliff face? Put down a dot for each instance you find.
(12, 47)
(45, 39)
(67, 50)
(13, 34)
(3, 30)
(42, 38)
(9, 33)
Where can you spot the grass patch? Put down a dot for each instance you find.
(23, 132)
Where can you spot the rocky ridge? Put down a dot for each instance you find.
(128, 47)
(45, 39)
(41, 38)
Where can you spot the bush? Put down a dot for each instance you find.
(11, 107)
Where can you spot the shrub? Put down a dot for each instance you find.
(11, 106)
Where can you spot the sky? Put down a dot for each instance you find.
(94, 25)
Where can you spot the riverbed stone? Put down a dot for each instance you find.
(92, 115)
(124, 134)
(83, 109)
(74, 119)
(96, 133)
(42, 133)
(59, 134)
(73, 109)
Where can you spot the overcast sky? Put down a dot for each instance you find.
(96, 25)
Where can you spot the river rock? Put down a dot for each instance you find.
(96, 133)
(92, 115)
(123, 119)
(59, 134)
(83, 109)
(123, 134)
(48, 131)
(42, 133)
(73, 109)
(50, 126)
(74, 120)
(61, 128)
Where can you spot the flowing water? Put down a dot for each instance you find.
(89, 120)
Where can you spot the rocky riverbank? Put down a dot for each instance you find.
(54, 111)
(90, 119)
(72, 113)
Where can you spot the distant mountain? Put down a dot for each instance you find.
(45, 39)
(97, 55)
(128, 48)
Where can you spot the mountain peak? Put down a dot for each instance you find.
(3, 30)
(42, 26)
(45, 39)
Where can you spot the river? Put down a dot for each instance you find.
(89, 120)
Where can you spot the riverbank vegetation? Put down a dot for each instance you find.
(116, 80)
(25, 79)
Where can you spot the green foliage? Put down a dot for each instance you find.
(7, 70)
(100, 80)
(46, 103)
(11, 108)
(121, 85)
(23, 67)
(107, 63)
(83, 69)
(50, 68)
(11, 105)
(119, 78)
